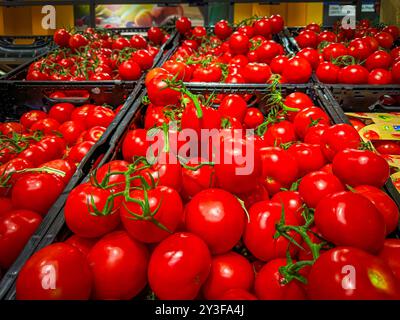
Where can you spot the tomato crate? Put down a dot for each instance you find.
(349, 100)
(20, 73)
(17, 100)
(111, 150)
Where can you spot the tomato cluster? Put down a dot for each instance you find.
(308, 219)
(98, 55)
(38, 156)
(244, 54)
(354, 56)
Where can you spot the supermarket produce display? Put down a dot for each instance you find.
(215, 163)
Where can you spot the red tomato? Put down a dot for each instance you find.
(307, 39)
(297, 70)
(277, 23)
(222, 29)
(79, 151)
(135, 144)
(47, 126)
(155, 35)
(255, 72)
(253, 118)
(357, 124)
(71, 131)
(239, 43)
(390, 253)
(333, 51)
(30, 117)
(119, 267)
(387, 147)
(359, 48)
(353, 74)
(56, 272)
(179, 266)
(61, 112)
(183, 25)
(99, 116)
(339, 137)
(84, 245)
(149, 222)
(278, 63)
(228, 271)
(297, 100)
(237, 294)
(5, 205)
(86, 213)
(138, 42)
(65, 168)
(269, 283)
(378, 59)
(386, 206)
(261, 228)
(194, 181)
(350, 219)
(349, 273)
(309, 157)
(292, 202)
(380, 76)
(36, 192)
(304, 120)
(129, 70)
(16, 228)
(385, 39)
(234, 106)
(61, 37)
(327, 72)
(217, 217)
(317, 185)
(311, 55)
(280, 133)
(358, 167)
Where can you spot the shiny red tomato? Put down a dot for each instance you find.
(387, 147)
(297, 70)
(350, 219)
(79, 151)
(119, 267)
(71, 131)
(391, 255)
(378, 59)
(307, 117)
(61, 112)
(309, 157)
(194, 181)
(353, 74)
(292, 202)
(228, 271)
(84, 245)
(30, 117)
(222, 29)
(47, 126)
(179, 266)
(280, 133)
(328, 72)
(56, 272)
(255, 72)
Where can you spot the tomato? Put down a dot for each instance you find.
(80, 113)
(261, 229)
(77, 40)
(339, 137)
(311, 55)
(199, 32)
(396, 72)
(327, 72)
(129, 70)
(149, 222)
(86, 213)
(94, 134)
(350, 219)
(378, 59)
(316, 185)
(333, 51)
(234, 106)
(8, 128)
(309, 157)
(353, 74)
(253, 118)
(155, 35)
(292, 202)
(66, 169)
(225, 229)
(179, 266)
(380, 76)
(53, 146)
(297, 70)
(277, 23)
(110, 175)
(84, 245)
(385, 39)
(16, 228)
(5, 206)
(393, 30)
(56, 272)
(159, 93)
(222, 29)
(138, 42)
(135, 144)
(307, 39)
(307, 117)
(358, 167)
(61, 112)
(387, 147)
(61, 37)
(194, 181)
(143, 59)
(30, 117)
(278, 63)
(183, 25)
(119, 267)
(211, 73)
(255, 72)
(36, 192)
(10, 168)
(269, 283)
(178, 69)
(314, 134)
(386, 206)
(99, 116)
(47, 126)
(236, 294)
(390, 254)
(279, 169)
(79, 151)
(267, 51)
(239, 43)
(297, 100)
(71, 131)
(350, 273)
(327, 36)
(280, 133)
(359, 49)
(228, 271)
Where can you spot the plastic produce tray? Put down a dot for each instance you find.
(9, 50)
(110, 150)
(103, 94)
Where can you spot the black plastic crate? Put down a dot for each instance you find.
(19, 73)
(110, 150)
(364, 99)
(105, 94)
